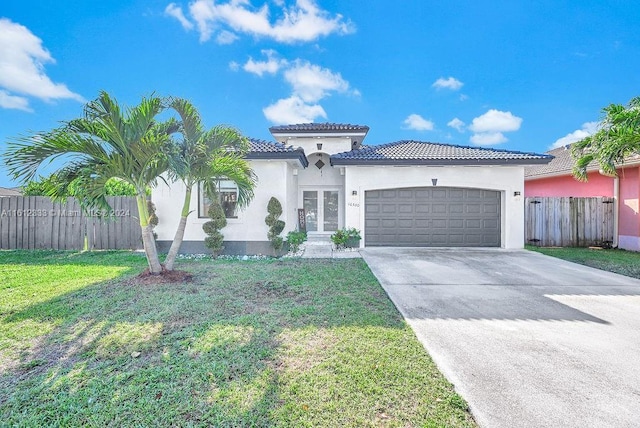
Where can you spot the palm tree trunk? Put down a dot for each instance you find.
(179, 237)
(148, 241)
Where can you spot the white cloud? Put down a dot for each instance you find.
(293, 110)
(496, 121)
(13, 102)
(456, 124)
(488, 138)
(226, 37)
(312, 82)
(418, 123)
(448, 83)
(302, 22)
(272, 65)
(489, 127)
(309, 83)
(22, 60)
(174, 10)
(588, 128)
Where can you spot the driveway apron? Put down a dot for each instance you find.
(528, 340)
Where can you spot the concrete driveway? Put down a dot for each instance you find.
(528, 340)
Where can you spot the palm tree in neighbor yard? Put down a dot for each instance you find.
(617, 138)
(205, 157)
(104, 143)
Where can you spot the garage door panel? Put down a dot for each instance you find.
(473, 208)
(372, 208)
(456, 223)
(473, 224)
(439, 208)
(429, 216)
(456, 208)
(389, 223)
(422, 208)
(439, 223)
(406, 223)
(421, 223)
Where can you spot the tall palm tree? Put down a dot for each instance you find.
(104, 143)
(205, 157)
(617, 138)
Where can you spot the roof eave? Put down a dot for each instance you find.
(439, 162)
(293, 155)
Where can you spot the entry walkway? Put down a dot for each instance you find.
(322, 248)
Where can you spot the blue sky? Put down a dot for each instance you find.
(514, 75)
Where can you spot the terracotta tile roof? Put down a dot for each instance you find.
(410, 152)
(562, 164)
(318, 127)
(262, 149)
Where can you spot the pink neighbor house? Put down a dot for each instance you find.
(556, 180)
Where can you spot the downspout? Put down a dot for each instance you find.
(616, 211)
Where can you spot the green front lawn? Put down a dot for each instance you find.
(255, 343)
(618, 261)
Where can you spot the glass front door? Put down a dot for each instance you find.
(321, 210)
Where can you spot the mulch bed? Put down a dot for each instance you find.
(164, 277)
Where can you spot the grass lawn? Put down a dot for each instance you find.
(618, 261)
(290, 343)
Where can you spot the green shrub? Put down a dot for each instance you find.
(113, 187)
(212, 228)
(295, 239)
(343, 238)
(276, 226)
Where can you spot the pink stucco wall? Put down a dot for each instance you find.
(629, 223)
(566, 185)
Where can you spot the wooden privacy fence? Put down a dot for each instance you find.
(569, 222)
(35, 222)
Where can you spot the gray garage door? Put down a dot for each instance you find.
(432, 217)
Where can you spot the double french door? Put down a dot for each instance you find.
(322, 210)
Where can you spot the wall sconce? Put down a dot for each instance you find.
(354, 193)
(516, 193)
(434, 181)
(319, 146)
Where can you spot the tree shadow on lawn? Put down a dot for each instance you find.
(208, 352)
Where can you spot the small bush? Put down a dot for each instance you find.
(343, 238)
(295, 239)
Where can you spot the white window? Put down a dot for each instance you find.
(228, 193)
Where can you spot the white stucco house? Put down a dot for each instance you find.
(405, 193)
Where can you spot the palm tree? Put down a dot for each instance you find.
(617, 138)
(205, 157)
(103, 144)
